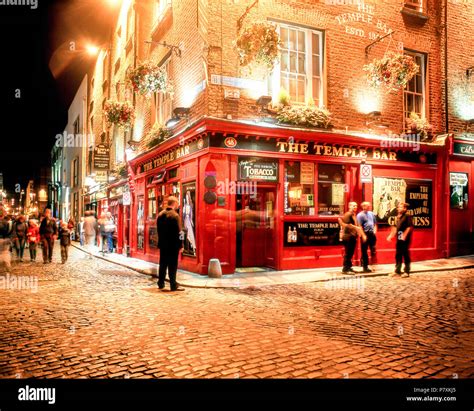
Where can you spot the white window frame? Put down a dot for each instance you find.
(417, 5)
(163, 102)
(406, 114)
(160, 8)
(275, 78)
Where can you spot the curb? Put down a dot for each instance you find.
(339, 277)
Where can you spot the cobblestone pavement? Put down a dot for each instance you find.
(93, 319)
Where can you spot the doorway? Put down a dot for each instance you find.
(256, 229)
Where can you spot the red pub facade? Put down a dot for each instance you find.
(256, 195)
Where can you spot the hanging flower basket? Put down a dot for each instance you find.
(393, 71)
(148, 78)
(258, 46)
(119, 113)
(306, 116)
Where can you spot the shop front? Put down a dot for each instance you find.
(460, 180)
(260, 197)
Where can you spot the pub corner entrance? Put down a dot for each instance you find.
(256, 227)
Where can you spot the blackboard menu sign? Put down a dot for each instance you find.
(307, 234)
(153, 237)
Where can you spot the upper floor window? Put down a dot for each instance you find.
(416, 5)
(414, 95)
(162, 105)
(75, 173)
(129, 22)
(300, 69)
(160, 8)
(77, 126)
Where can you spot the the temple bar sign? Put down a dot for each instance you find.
(175, 154)
(334, 151)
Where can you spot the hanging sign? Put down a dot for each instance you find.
(365, 173)
(101, 157)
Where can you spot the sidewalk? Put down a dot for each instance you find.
(257, 279)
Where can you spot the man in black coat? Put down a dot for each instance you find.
(48, 233)
(170, 243)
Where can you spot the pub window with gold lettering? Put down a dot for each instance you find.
(331, 189)
(299, 188)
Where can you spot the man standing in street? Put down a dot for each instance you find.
(403, 230)
(48, 231)
(170, 243)
(351, 231)
(367, 221)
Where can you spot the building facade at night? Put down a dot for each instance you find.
(257, 192)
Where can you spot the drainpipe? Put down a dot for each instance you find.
(446, 108)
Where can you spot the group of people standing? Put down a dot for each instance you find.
(18, 233)
(364, 225)
(97, 233)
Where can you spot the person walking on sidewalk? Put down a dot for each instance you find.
(90, 231)
(19, 237)
(403, 230)
(110, 230)
(81, 232)
(368, 223)
(48, 232)
(33, 239)
(170, 243)
(5, 231)
(64, 241)
(351, 231)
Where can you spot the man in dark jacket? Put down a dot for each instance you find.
(403, 230)
(48, 233)
(170, 243)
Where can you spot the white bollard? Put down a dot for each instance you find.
(214, 269)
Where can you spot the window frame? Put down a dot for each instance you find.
(423, 95)
(415, 5)
(309, 76)
(160, 113)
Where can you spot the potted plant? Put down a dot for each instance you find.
(420, 126)
(157, 135)
(258, 47)
(148, 77)
(306, 116)
(393, 71)
(119, 113)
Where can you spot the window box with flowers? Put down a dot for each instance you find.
(121, 114)
(148, 78)
(156, 136)
(420, 126)
(258, 48)
(393, 71)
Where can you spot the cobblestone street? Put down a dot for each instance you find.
(93, 319)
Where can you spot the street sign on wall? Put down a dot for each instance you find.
(365, 173)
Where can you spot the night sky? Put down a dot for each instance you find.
(29, 40)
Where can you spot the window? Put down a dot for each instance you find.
(416, 5)
(160, 8)
(299, 188)
(119, 141)
(300, 69)
(331, 189)
(129, 21)
(162, 103)
(75, 206)
(76, 126)
(414, 93)
(152, 203)
(75, 172)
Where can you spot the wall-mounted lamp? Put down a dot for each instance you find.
(375, 120)
(178, 114)
(133, 145)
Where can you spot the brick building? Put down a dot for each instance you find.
(221, 128)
